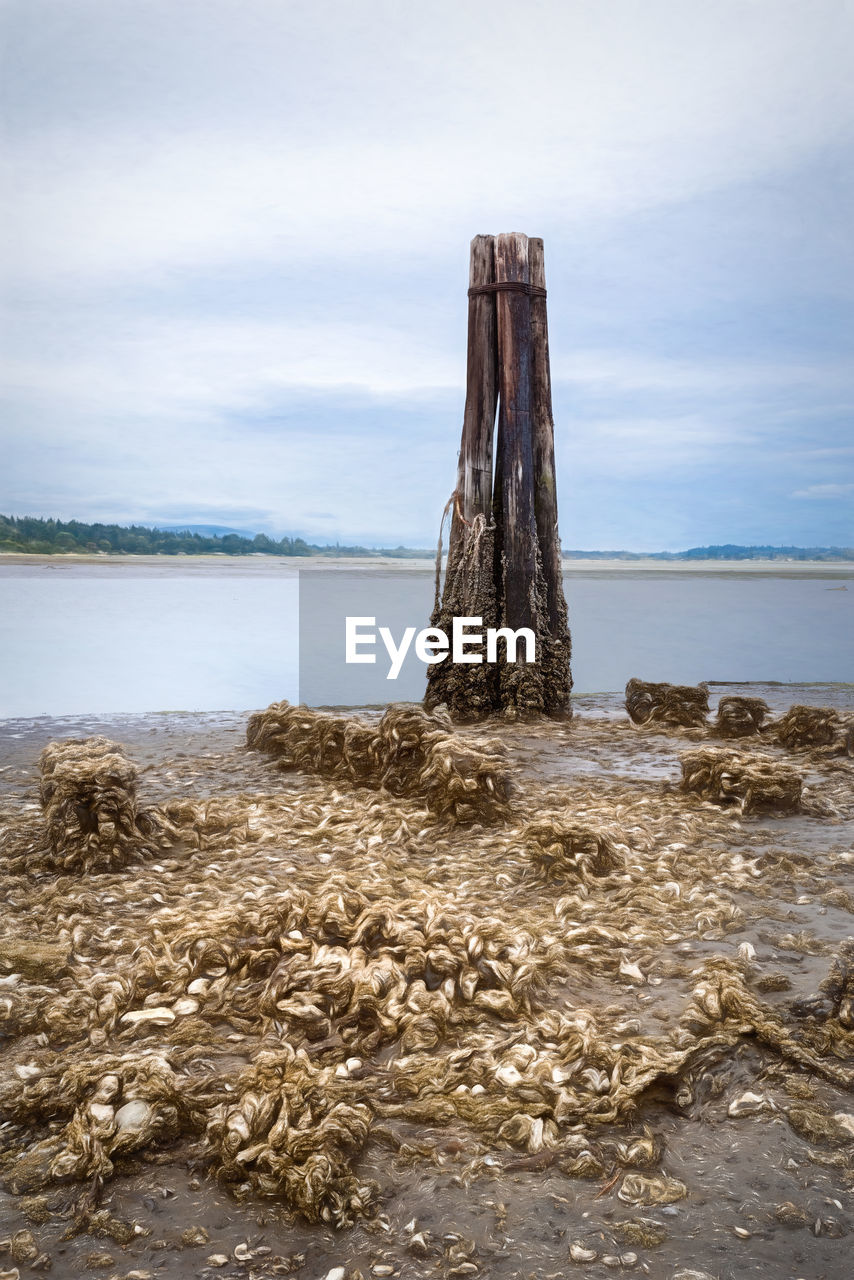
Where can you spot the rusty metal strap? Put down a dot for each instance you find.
(508, 286)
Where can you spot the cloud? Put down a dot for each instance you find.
(237, 251)
(824, 491)
(626, 371)
(256, 132)
(166, 367)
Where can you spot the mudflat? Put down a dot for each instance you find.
(317, 1027)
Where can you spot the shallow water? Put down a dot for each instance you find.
(116, 637)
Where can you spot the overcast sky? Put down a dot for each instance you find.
(235, 259)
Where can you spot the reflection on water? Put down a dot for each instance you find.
(110, 637)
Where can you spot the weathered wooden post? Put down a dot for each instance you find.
(474, 474)
(504, 554)
(555, 661)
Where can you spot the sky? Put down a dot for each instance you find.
(235, 243)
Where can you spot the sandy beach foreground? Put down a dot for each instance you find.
(519, 1067)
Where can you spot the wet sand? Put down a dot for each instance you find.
(289, 566)
(762, 1199)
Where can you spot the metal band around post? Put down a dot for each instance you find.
(508, 286)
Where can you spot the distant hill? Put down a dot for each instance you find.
(729, 551)
(38, 536)
(208, 530)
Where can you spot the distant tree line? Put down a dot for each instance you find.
(37, 536)
(733, 552)
(729, 551)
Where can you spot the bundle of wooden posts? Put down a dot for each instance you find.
(504, 562)
(739, 717)
(410, 752)
(751, 781)
(682, 705)
(89, 797)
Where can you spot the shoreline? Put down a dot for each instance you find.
(589, 703)
(148, 733)
(289, 566)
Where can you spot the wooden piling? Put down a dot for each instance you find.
(504, 556)
(474, 472)
(557, 683)
(545, 493)
(519, 562)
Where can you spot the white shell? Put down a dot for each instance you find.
(185, 1005)
(747, 1105)
(509, 1076)
(632, 971)
(159, 1015)
(579, 1253)
(133, 1116)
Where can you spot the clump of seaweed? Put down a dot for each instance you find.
(89, 797)
(818, 1127)
(752, 782)
(808, 727)
(680, 705)
(562, 849)
(410, 752)
(641, 1231)
(838, 986)
(294, 1128)
(821, 729)
(722, 1002)
(836, 998)
(739, 717)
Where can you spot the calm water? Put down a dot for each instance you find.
(110, 637)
